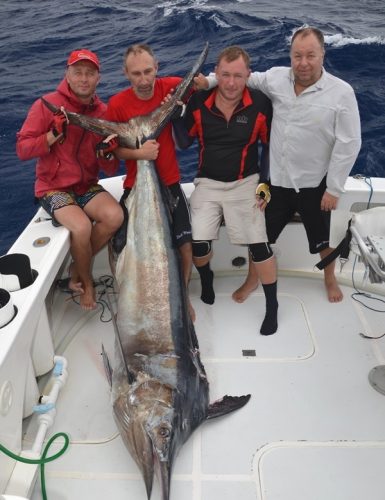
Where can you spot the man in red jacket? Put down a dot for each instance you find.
(67, 168)
(146, 93)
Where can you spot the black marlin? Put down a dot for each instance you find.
(160, 392)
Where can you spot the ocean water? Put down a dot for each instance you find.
(36, 38)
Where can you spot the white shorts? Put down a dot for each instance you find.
(234, 201)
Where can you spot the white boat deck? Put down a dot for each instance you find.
(314, 428)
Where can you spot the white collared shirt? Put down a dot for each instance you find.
(314, 134)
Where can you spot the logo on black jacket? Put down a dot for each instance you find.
(242, 119)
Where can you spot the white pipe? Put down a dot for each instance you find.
(24, 475)
(48, 402)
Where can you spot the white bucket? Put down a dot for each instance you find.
(7, 310)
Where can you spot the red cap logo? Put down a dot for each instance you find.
(83, 55)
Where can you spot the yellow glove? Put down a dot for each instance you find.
(263, 192)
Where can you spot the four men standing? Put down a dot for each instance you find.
(315, 139)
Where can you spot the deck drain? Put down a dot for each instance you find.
(238, 261)
(42, 241)
(248, 352)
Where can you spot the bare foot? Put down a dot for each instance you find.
(241, 294)
(191, 311)
(76, 287)
(74, 284)
(333, 291)
(87, 299)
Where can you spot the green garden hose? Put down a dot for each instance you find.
(43, 460)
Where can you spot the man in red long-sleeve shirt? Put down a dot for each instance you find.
(145, 95)
(67, 168)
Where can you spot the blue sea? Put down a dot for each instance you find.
(36, 38)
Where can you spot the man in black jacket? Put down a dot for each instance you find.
(229, 123)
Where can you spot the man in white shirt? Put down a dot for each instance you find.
(315, 140)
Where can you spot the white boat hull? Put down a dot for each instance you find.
(314, 427)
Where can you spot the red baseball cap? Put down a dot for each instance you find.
(83, 55)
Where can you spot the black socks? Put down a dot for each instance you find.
(207, 278)
(270, 323)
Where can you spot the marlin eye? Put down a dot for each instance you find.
(164, 432)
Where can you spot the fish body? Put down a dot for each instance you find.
(159, 386)
(160, 391)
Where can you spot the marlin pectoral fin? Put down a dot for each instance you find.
(130, 376)
(226, 405)
(107, 366)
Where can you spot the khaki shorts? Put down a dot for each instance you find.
(235, 202)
